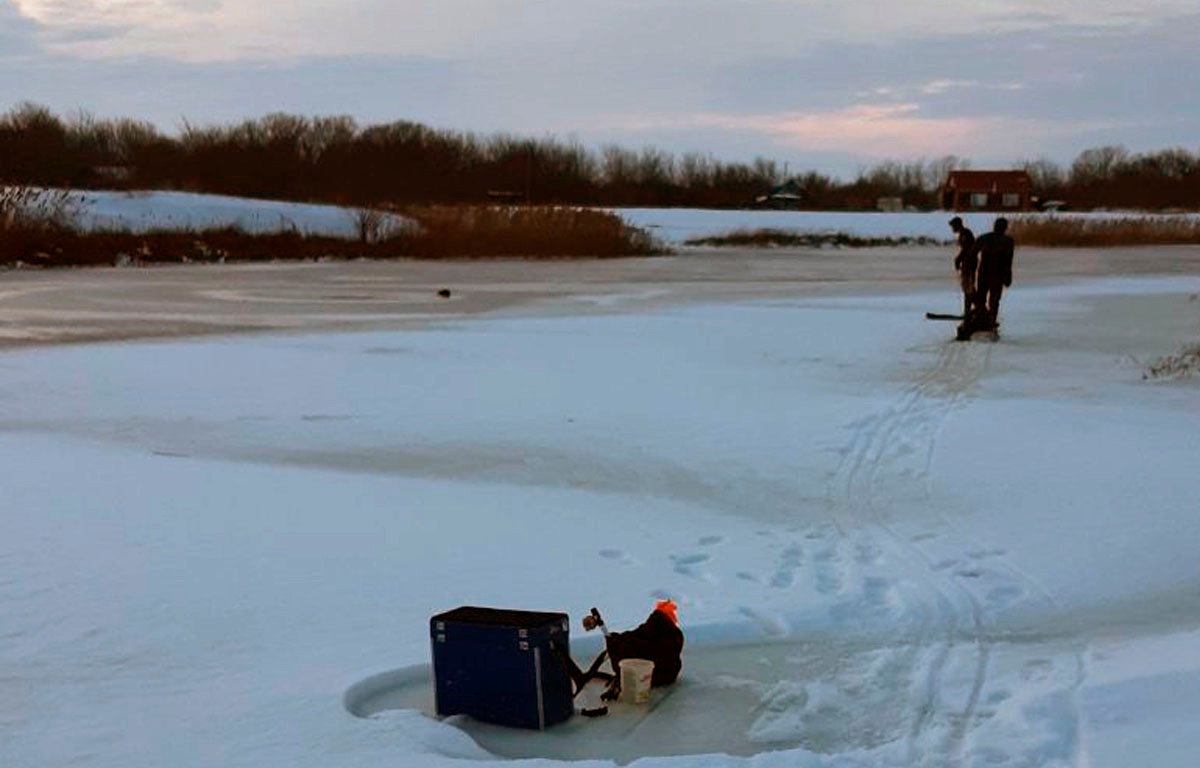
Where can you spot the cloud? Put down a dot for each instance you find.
(86, 27)
(669, 32)
(18, 35)
(871, 130)
(940, 86)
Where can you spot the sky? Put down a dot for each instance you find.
(817, 84)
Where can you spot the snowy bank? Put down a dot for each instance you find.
(145, 211)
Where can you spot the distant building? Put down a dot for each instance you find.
(787, 195)
(112, 172)
(987, 191)
(890, 204)
(509, 196)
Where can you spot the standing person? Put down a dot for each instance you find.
(995, 269)
(965, 263)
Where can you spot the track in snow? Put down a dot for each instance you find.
(945, 586)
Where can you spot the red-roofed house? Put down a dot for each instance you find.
(987, 191)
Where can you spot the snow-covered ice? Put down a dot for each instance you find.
(888, 548)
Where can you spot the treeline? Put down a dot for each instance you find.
(333, 159)
(1113, 177)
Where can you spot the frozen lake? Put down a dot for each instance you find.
(888, 548)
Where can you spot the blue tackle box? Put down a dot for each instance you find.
(502, 666)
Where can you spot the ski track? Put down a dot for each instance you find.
(945, 601)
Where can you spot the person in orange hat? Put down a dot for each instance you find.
(658, 639)
(668, 607)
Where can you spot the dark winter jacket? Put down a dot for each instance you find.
(657, 639)
(965, 260)
(995, 258)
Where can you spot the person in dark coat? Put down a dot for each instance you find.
(995, 251)
(965, 262)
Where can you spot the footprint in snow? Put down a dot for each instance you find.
(686, 565)
(793, 555)
(997, 697)
(708, 541)
(983, 554)
(923, 537)
(617, 555)
(867, 552)
(1036, 670)
(879, 590)
(783, 578)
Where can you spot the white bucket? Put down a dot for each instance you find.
(635, 680)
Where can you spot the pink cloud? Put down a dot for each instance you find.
(881, 130)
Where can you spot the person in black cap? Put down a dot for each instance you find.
(965, 263)
(995, 250)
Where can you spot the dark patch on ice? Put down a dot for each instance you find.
(386, 350)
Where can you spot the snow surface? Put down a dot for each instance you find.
(678, 225)
(145, 211)
(888, 548)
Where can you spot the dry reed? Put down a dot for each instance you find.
(444, 232)
(1056, 231)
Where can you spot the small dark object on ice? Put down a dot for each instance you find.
(941, 316)
(444, 293)
(594, 712)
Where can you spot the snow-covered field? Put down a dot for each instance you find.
(678, 225)
(145, 211)
(888, 548)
